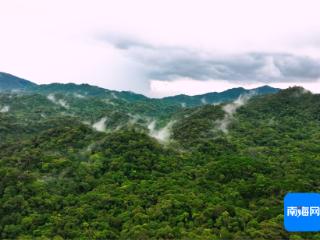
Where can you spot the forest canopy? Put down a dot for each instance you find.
(86, 167)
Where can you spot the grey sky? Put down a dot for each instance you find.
(163, 47)
(170, 63)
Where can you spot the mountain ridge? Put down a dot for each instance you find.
(12, 83)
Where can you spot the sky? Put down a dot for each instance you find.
(164, 47)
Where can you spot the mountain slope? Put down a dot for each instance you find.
(216, 98)
(9, 82)
(223, 174)
(86, 90)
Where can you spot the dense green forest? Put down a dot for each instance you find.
(75, 165)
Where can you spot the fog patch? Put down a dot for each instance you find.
(119, 127)
(162, 134)
(108, 101)
(215, 103)
(52, 98)
(134, 118)
(305, 91)
(183, 105)
(86, 122)
(114, 95)
(77, 95)
(300, 91)
(63, 103)
(203, 100)
(230, 109)
(16, 91)
(60, 102)
(5, 109)
(100, 125)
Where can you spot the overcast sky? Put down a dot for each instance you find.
(163, 47)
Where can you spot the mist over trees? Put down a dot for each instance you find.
(60, 178)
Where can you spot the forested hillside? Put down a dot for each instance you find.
(103, 165)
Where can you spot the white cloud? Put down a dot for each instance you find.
(4, 109)
(230, 109)
(77, 95)
(100, 125)
(162, 134)
(41, 40)
(60, 102)
(203, 100)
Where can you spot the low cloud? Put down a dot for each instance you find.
(162, 134)
(203, 100)
(230, 109)
(134, 118)
(77, 95)
(4, 109)
(60, 102)
(100, 125)
(114, 95)
(170, 63)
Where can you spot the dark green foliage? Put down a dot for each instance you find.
(61, 179)
(197, 124)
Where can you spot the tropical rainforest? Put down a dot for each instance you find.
(82, 162)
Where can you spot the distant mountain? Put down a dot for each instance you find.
(9, 82)
(216, 97)
(86, 90)
(265, 90)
